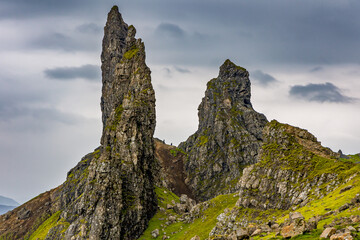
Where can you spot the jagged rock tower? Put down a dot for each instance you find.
(229, 134)
(110, 194)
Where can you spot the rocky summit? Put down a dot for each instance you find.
(118, 198)
(237, 177)
(229, 134)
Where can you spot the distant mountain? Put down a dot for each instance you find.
(7, 204)
(8, 201)
(5, 209)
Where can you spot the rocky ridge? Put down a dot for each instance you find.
(229, 134)
(292, 166)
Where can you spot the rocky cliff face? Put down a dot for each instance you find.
(229, 134)
(110, 193)
(293, 169)
(118, 197)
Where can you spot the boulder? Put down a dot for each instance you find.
(342, 236)
(293, 226)
(328, 232)
(196, 237)
(23, 213)
(256, 232)
(155, 233)
(242, 233)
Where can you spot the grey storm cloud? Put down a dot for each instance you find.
(182, 70)
(90, 28)
(262, 78)
(61, 41)
(250, 32)
(324, 92)
(88, 72)
(171, 30)
(316, 69)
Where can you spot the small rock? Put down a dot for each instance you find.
(172, 218)
(344, 207)
(328, 232)
(242, 233)
(342, 236)
(183, 198)
(23, 214)
(346, 188)
(155, 233)
(355, 219)
(295, 215)
(169, 206)
(351, 229)
(256, 232)
(196, 237)
(180, 208)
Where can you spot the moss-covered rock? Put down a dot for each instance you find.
(229, 135)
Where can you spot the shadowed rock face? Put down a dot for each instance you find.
(110, 194)
(229, 134)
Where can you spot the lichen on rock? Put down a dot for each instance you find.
(113, 197)
(228, 137)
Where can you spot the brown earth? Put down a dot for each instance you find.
(14, 225)
(173, 166)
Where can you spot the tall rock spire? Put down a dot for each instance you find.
(228, 137)
(110, 194)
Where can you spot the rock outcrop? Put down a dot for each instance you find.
(292, 164)
(229, 134)
(117, 198)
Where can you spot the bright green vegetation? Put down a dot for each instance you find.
(131, 53)
(165, 196)
(203, 140)
(184, 231)
(44, 228)
(117, 117)
(176, 151)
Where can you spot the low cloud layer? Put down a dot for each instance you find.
(262, 78)
(88, 72)
(324, 92)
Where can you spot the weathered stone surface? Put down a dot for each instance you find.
(256, 232)
(155, 233)
(23, 213)
(110, 193)
(351, 229)
(281, 178)
(342, 236)
(328, 232)
(293, 226)
(229, 134)
(242, 233)
(196, 237)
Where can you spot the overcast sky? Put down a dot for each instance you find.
(303, 57)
